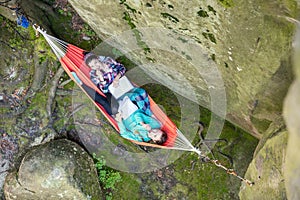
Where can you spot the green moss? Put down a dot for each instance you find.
(207, 181)
(213, 57)
(226, 3)
(260, 124)
(128, 188)
(62, 26)
(129, 8)
(202, 13)
(16, 43)
(140, 42)
(209, 36)
(226, 64)
(129, 20)
(126, 62)
(40, 44)
(117, 53)
(38, 101)
(170, 17)
(211, 9)
(9, 122)
(122, 1)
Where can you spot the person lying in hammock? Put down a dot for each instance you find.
(135, 125)
(104, 72)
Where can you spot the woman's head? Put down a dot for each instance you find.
(158, 136)
(92, 61)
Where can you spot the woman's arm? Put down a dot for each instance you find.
(124, 132)
(146, 121)
(128, 134)
(153, 123)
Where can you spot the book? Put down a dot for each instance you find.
(123, 87)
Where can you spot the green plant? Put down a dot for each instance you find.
(107, 177)
(61, 11)
(88, 31)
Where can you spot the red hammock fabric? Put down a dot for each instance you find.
(73, 62)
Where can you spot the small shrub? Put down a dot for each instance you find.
(107, 177)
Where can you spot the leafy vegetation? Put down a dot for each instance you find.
(107, 177)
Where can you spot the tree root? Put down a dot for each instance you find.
(52, 93)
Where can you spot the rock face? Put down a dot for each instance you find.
(292, 166)
(266, 170)
(57, 170)
(248, 42)
(275, 168)
(292, 117)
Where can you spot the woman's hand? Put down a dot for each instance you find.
(118, 76)
(99, 74)
(115, 83)
(146, 126)
(118, 117)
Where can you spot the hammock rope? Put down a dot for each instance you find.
(70, 55)
(62, 48)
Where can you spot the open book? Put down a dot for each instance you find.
(124, 86)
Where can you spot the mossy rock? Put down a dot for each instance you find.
(57, 170)
(266, 170)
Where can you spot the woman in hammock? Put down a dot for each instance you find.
(135, 125)
(106, 71)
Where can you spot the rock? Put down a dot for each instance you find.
(292, 166)
(266, 171)
(56, 170)
(292, 117)
(4, 166)
(6, 10)
(86, 38)
(236, 38)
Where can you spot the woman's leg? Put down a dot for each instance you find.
(114, 105)
(98, 98)
(140, 97)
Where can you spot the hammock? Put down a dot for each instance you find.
(72, 60)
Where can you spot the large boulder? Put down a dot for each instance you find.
(249, 42)
(57, 170)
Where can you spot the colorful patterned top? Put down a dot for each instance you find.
(115, 68)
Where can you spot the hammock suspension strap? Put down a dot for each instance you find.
(214, 161)
(228, 170)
